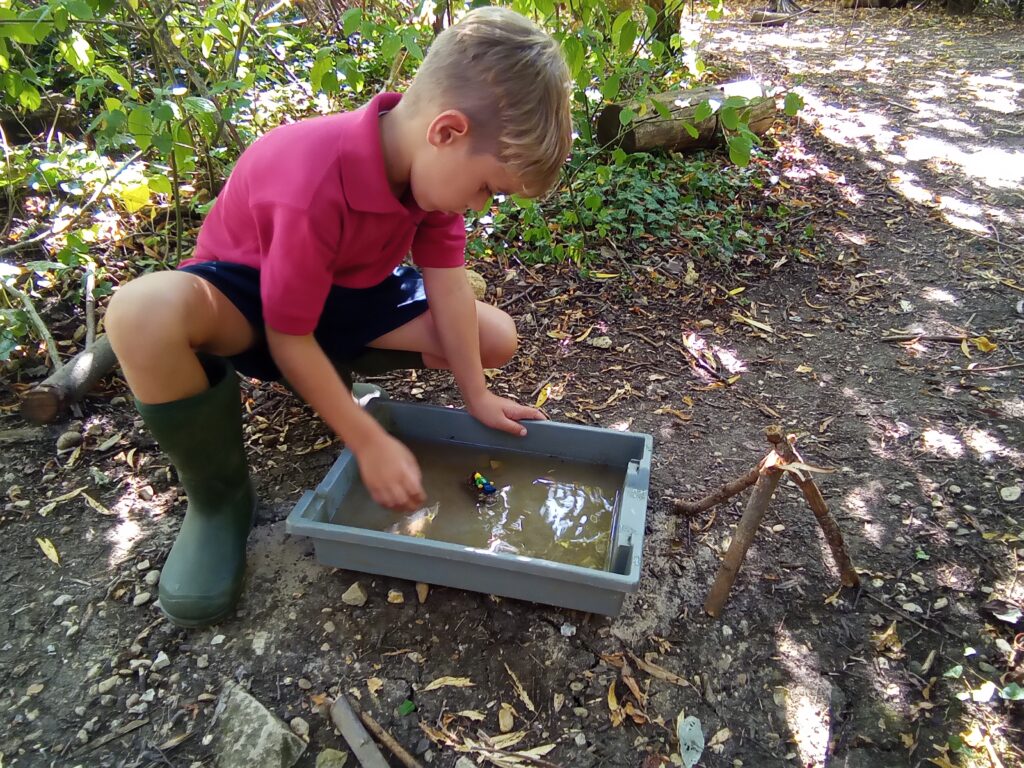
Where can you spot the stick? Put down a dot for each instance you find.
(726, 491)
(90, 306)
(37, 321)
(767, 481)
(816, 502)
(352, 730)
(45, 402)
(388, 741)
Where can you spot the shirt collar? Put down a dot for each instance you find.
(364, 174)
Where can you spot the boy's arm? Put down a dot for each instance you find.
(453, 308)
(388, 468)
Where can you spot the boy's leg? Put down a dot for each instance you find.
(157, 323)
(190, 403)
(498, 338)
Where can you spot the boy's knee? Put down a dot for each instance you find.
(501, 342)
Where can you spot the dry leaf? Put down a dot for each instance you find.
(520, 690)
(96, 505)
(662, 674)
(49, 550)
(751, 322)
(559, 701)
(616, 714)
(720, 738)
(506, 718)
(471, 714)
(374, 684)
(49, 506)
(448, 682)
(983, 344)
(542, 397)
(422, 590)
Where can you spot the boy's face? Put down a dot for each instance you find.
(448, 176)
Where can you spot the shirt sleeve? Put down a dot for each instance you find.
(295, 275)
(440, 241)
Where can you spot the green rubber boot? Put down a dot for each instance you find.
(202, 435)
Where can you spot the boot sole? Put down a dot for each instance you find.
(200, 623)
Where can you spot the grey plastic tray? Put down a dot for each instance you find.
(453, 565)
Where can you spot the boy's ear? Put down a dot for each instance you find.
(447, 128)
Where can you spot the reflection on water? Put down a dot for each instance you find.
(544, 507)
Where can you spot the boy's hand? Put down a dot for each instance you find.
(502, 413)
(391, 474)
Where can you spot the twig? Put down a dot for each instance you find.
(816, 502)
(37, 321)
(388, 741)
(90, 305)
(925, 337)
(726, 491)
(757, 505)
(352, 730)
(124, 730)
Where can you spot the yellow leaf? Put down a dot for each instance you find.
(737, 291)
(584, 335)
(942, 761)
(965, 349)
(543, 396)
(471, 714)
(804, 369)
(604, 275)
(753, 323)
(135, 197)
(560, 335)
(52, 503)
(520, 690)
(448, 682)
(374, 684)
(96, 505)
(720, 738)
(983, 344)
(49, 550)
(613, 701)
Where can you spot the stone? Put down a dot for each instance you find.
(395, 597)
(62, 601)
(422, 590)
(354, 595)
(332, 758)
(250, 736)
(141, 599)
(160, 662)
(153, 578)
(106, 686)
(203, 661)
(69, 440)
(300, 728)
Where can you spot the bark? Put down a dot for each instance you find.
(654, 132)
(44, 403)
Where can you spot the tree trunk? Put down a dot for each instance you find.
(44, 403)
(654, 132)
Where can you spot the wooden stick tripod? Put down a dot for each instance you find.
(765, 477)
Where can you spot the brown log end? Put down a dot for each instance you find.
(611, 133)
(41, 405)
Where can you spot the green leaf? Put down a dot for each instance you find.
(160, 184)
(321, 66)
(793, 104)
(692, 130)
(207, 44)
(117, 78)
(920, 554)
(354, 77)
(1012, 692)
(663, 111)
(165, 111)
(29, 97)
(593, 200)
(77, 52)
(390, 47)
(627, 116)
(406, 708)
(350, 21)
(79, 9)
(610, 87)
(619, 156)
(574, 56)
(703, 112)
(739, 150)
(954, 672)
(140, 125)
(627, 37)
(196, 105)
(729, 118)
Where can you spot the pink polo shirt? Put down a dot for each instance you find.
(309, 205)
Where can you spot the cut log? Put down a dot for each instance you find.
(769, 19)
(655, 132)
(44, 404)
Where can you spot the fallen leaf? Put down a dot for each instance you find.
(983, 344)
(542, 396)
(471, 714)
(752, 323)
(520, 690)
(49, 506)
(659, 672)
(49, 550)
(374, 684)
(506, 718)
(96, 505)
(601, 342)
(720, 738)
(448, 682)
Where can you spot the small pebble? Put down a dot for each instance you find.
(160, 662)
(106, 686)
(304, 684)
(62, 601)
(143, 566)
(203, 661)
(422, 590)
(69, 440)
(395, 597)
(329, 627)
(153, 578)
(141, 599)
(354, 595)
(146, 493)
(568, 630)
(580, 711)
(581, 740)
(217, 640)
(299, 727)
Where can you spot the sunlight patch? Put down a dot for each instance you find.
(941, 443)
(989, 447)
(806, 707)
(940, 295)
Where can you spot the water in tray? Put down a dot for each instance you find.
(541, 507)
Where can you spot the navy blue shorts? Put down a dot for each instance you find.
(351, 319)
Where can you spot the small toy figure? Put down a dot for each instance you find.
(483, 485)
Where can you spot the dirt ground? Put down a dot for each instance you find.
(909, 160)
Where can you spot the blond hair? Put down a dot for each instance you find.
(510, 80)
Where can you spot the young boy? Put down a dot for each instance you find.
(297, 265)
